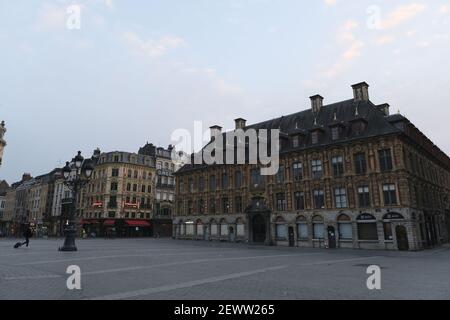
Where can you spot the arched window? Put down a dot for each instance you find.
(199, 227)
(318, 227)
(280, 228)
(387, 224)
(223, 227)
(302, 228)
(240, 227)
(214, 230)
(367, 227)
(345, 227)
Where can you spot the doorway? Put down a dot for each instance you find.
(291, 237)
(259, 229)
(402, 238)
(331, 237)
(231, 234)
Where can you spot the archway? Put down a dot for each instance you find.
(259, 229)
(402, 238)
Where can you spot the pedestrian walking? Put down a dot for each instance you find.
(27, 234)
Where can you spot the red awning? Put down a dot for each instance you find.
(89, 222)
(137, 223)
(109, 223)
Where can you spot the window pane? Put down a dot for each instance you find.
(281, 231)
(302, 230)
(345, 231)
(318, 230)
(367, 231)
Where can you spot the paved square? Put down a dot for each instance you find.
(171, 269)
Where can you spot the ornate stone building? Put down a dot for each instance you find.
(119, 199)
(351, 176)
(2, 140)
(166, 166)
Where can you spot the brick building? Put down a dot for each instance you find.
(351, 176)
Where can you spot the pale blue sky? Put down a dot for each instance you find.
(138, 70)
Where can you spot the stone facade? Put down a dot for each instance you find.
(375, 183)
(119, 198)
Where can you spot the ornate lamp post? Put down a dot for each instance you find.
(76, 174)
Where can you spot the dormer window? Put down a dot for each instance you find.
(358, 127)
(335, 133)
(295, 142)
(315, 137)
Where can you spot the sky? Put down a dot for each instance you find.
(114, 74)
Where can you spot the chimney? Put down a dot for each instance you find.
(316, 103)
(240, 123)
(361, 92)
(97, 153)
(26, 177)
(215, 131)
(384, 108)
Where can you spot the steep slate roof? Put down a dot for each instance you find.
(341, 113)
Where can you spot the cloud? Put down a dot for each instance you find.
(330, 3)
(402, 14)
(352, 48)
(444, 9)
(384, 40)
(51, 17)
(109, 4)
(152, 48)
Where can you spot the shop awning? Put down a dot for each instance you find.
(138, 223)
(109, 223)
(89, 222)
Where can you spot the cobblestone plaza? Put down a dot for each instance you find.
(186, 270)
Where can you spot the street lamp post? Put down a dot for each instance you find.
(76, 174)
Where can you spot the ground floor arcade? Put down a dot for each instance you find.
(402, 229)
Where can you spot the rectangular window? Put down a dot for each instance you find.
(114, 186)
(315, 137)
(335, 133)
(115, 172)
(319, 200)
(212, 205)
(316, 169)
(238, 204)
(280, 175)
(340, 195)
(201, 184)
(390, 195)
(364, 197)
(367, 231)
(296, 142)
(255, 176)
(299, 200)
(385, 159)
(318, 231)
(224, 181)
(360, 163)
(281, 203)
(297, 169)
(212, 183)
(225, 205)
(302, 231)
(238, 179)
(345, 231)
(281, 231)
(338, 166)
